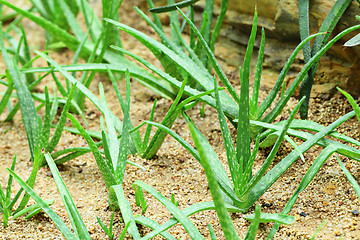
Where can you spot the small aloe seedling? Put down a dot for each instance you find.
(112, 167)
(140, 199)
(7, 204)
(108, 231)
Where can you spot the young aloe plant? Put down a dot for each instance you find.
(7, 204)
(37, 131)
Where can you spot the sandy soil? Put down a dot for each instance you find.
(328, 198)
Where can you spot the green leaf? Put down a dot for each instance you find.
(352, 103)
(31, 208)
(187, 224)
(126, 212)
(75, 218)
(310, 174)
(328, 25)
(272, 217)
(353, 41)
(251, 234)
(173, 7)
(56, 219)
(351, 179)
(61, 123)
(224, 218)
(106, 172)
(195, 208)
(286, 162)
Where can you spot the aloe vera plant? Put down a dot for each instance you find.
(7, 204)
(246, 188)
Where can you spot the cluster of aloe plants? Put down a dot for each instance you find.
(187, 78)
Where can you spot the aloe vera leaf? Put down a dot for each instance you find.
(272, 217)
(309, 175)
(286, 162)
(46, 125)
(251, 234)
(289, 92)
(212, 233)
(304, 28)
(352, 103)
(233, 163)
(75, 218)
(185, 222)
(256, 86)
(27, 106)
(295, 146)
(328, 25)
(173, 7)
(353, 41)
(61, 123)
(341, 148)
(243, 151)
(126, 212)
(106, 172)
(224, 217)
(212, 59)
(124, 141)
(136, 145)
(31, 208)
(217, 167)
(147, 222)
(68, 234)
(195, 208)
(93, 134)
(149, 127)
(201, 75)
(218, 24)
(351, 179)
(9, 183)
(25, 52)
(107, 152)
(112, 139)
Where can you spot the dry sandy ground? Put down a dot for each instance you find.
(328, 198)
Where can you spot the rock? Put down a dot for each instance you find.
(355, 212)
(338, 67)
